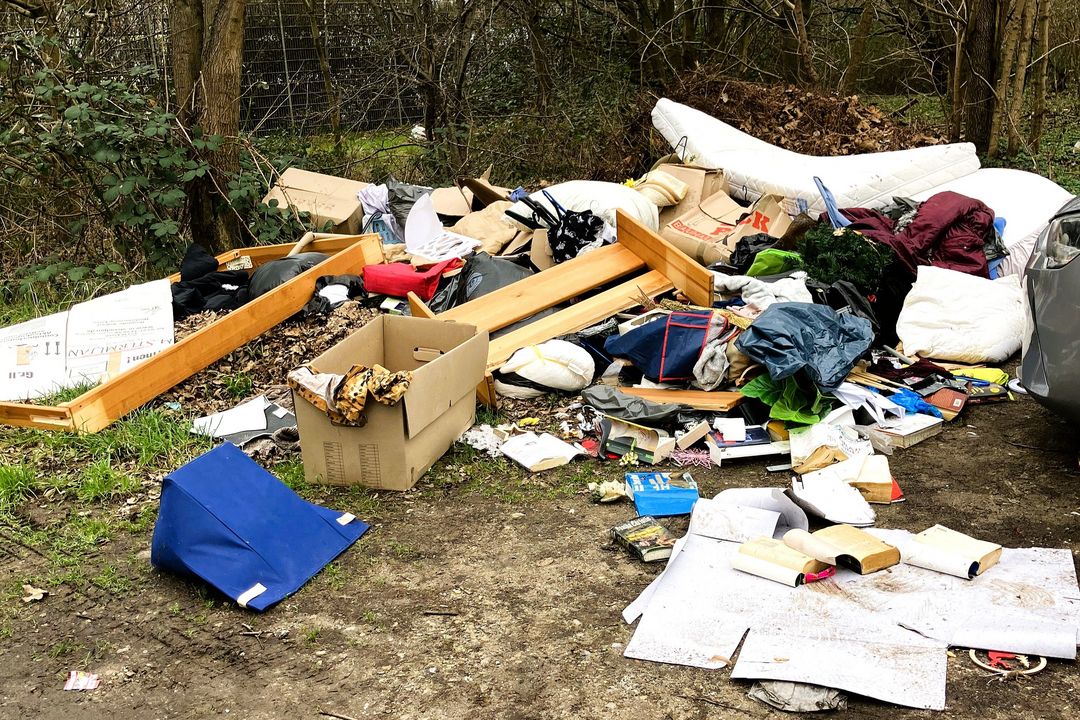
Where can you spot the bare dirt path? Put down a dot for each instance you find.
(485, 594)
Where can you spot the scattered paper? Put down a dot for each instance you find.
(738, 523)
(833, 499)
(80, 680)
(539, 452)
(792, 516)
(246, 416)
(732, 429)
(882, 635)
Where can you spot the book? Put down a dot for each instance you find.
(845, 546)
(659, 495)
(752, 435)
(911, 429)
(869, 474)
(948, 551)
(775, 560)
(620, 437)
(645, 538)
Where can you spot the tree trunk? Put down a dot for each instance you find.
(980, 50)
(957, 87)
(689, 17)
(541, 66)
(858, 48)
(1005, 66)
(807, 75)
(1023, 54)
(185, 41)
(1042, 70)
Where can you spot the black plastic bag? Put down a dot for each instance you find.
(276, 272)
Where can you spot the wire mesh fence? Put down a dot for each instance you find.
(286, 86)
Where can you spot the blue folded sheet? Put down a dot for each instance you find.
(226, 520)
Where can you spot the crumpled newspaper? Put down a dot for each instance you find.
(486, 439)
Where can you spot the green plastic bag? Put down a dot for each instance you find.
(789, 400)
(774, 262)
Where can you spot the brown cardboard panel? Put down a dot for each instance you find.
(701, 183)
(437, 384)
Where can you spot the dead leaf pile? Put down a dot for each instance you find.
(797, 119)
(261, 365)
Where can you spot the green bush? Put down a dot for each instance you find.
(830, 255)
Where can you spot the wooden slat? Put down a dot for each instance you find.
(106, 403)
(418, 307)
(580, 315)
(37, 416)
(324, 242)
(543, 290)
(712, 401)
(692, 279)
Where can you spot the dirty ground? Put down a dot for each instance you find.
(486, 593)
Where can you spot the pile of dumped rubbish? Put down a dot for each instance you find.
(738, 303)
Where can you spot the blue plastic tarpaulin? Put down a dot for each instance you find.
(229, 522)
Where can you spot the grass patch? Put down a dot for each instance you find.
(17, 482)
(112, 580)
(239, 385)
(100, 481)
(291, 472)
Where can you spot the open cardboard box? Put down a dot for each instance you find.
(325, 197)
(400, 442)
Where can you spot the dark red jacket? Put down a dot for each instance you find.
(948, 231)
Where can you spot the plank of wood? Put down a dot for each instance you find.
(692, 279)
(111, 400)
(578, 316)
(711, 401)
(538, 292)
(418, 307)
(328, 243)
(41, 416)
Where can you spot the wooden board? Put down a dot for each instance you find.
(711, 401)
(328, 243)
(111, 400)
(692, 279)
(538, 292)
(578, 316)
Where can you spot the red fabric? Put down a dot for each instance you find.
(398, 279)
(948, 231)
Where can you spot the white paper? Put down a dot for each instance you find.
(32, 357)
(836, 430)
(724, 521)
(98, 339)
(246, 416)
(882, 635)
(538, 452)
(733, 429)
(856, 396)
(774, 499)
(426, 237)
(107, 335)
(833, 500)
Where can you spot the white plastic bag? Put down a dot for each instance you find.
(555, 364)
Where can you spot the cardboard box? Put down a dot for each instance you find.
(400, 442)
(701, 184)
(708, 233)
(325, 197)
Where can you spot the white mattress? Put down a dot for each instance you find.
(754, 167)
(1027, 202)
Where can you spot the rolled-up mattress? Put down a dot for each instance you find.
(753, 167)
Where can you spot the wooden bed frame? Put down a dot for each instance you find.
(104, 404)
(639, 249)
